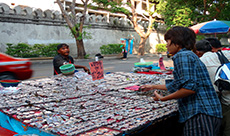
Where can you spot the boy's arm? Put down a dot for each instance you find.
(146, 88)
(181, 93)
(84, 67)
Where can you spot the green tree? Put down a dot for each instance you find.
(118, 6)
(190, 12)
(75, 27)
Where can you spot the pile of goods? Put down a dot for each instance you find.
(151, 68)
(77, 105)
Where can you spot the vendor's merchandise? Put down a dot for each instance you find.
(77, 105)
(151, 68)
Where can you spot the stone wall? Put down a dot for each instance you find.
(34, 26)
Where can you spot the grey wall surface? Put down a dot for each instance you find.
(34, 26)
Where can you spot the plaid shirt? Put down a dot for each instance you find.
(190, 73)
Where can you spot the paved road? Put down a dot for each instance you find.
(44, 68)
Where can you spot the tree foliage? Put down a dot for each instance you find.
(190, 12)
(113, 6)
(119, 6)
(76, 27)
(81, 35)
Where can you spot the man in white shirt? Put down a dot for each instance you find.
(206, 50)
(215, 43)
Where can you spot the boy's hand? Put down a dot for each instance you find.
(86, 70)
(145, 88)
(157, 96)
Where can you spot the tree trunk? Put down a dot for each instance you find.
(80, 49)
(141, 50)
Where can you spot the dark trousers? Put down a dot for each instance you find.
(125, 55)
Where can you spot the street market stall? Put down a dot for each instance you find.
(77, 105)
(150, 67)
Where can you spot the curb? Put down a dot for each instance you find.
(40, 60)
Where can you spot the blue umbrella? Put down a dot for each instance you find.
(212, 27)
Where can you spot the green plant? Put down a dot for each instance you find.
(81, 35)
(38, 50)
(86, 56)
(111, 49)
(200, 37)
(161, 47)
(46, 50)
(51, 50)
(20, 50)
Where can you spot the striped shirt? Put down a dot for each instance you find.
(190, 73)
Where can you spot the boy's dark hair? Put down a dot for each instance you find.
(215, 43)
(59, 46)
(182, 36)
(203, 45)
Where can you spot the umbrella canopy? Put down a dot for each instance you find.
(212, 27)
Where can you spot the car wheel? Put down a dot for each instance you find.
(4, 76)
